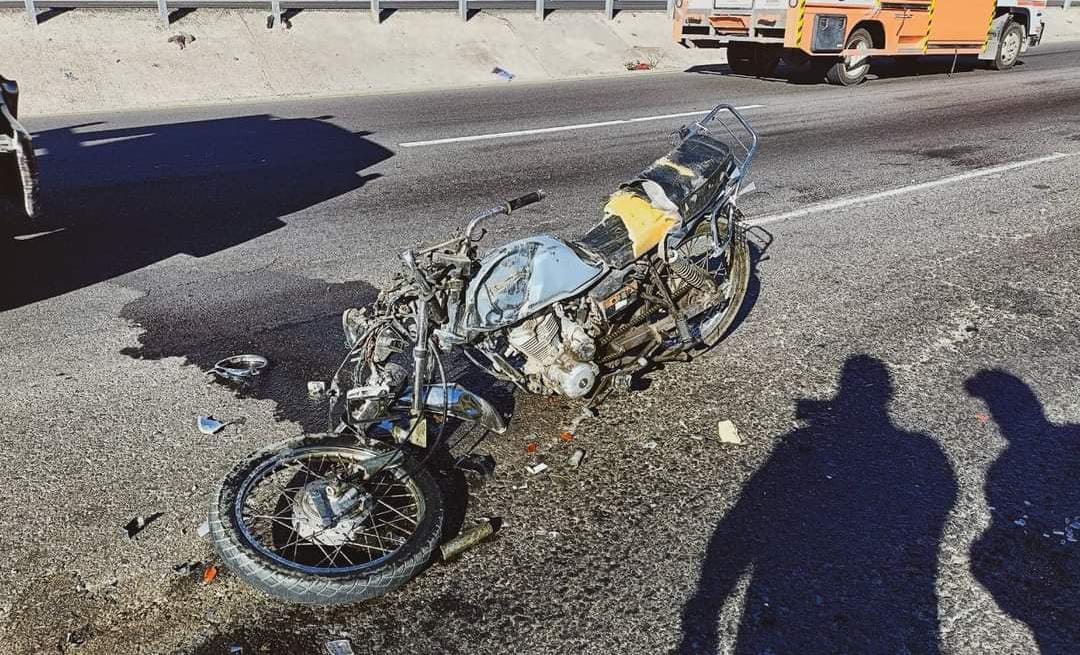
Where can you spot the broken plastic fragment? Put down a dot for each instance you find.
(139, 523)
(532, 447)
(649, 445)
(567, 436)
(316, 388)
(575, 459)
(536, 469)
(209, 574)
(728, 433)
(503, 73)
(204, 529)
(209, 425)
(339, 647)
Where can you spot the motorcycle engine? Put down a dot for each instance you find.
(558, 354)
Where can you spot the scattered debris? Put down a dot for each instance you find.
(182, 39)
(209, 574)
(637, 65)
(536, 469)
(80, 636)
(468, 539)
(649, 445)
(236, 649)
(482, 465)
(204, 529)
(240, 369)
(575, 459)
(503, 73)
(190, 567)
(1021, 521)
(983, 418)
(339, 647)
(532, 447)
(728, 433)
(139, 523)
(316, 388)
(210, 425)
(566, 436)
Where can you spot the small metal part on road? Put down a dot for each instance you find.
(240, 369)
(467, 539)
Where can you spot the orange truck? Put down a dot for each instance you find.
(838, 38)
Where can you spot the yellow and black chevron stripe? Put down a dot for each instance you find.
(799, 23)
(990, 27)
(929, 24)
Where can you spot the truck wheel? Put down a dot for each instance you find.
(1009, 46)
(849, 71)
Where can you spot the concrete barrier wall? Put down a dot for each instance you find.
(92, 60)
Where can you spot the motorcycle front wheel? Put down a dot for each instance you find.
(292, 521)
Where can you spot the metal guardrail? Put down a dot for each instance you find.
(278, 7)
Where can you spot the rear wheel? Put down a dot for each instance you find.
(852, 70)
(713, 312)
(1009, 46)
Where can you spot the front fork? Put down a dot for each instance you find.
(420, 359)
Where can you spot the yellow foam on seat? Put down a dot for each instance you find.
(645, 224)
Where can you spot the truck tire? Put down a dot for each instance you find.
(842, 73)
(1009, 46)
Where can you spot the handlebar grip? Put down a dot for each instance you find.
(527, 199)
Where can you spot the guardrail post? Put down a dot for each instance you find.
(539, 9)
(163, 11)
(463, 9)
(275, 12)
(31, 10)
(609, 9)
(375, 11)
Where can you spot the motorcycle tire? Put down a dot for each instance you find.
(738, 277)
(257, 565)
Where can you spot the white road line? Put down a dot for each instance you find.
(561, 128)
(841, 203)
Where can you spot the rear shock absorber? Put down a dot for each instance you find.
(692, 274)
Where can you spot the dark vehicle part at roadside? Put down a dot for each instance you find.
(18, 164)
(353, 514)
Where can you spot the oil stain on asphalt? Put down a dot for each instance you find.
(292, 320)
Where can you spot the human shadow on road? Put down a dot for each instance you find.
(837, 533)
(1029, 557)
(117, 200)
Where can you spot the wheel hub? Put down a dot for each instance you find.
(330, 514)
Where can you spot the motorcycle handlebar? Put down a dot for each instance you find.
(505, 208)
(527, 199)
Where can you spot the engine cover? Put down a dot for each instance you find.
(558, 354)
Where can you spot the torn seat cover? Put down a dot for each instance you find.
(673, 190)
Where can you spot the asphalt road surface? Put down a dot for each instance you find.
(904, 380)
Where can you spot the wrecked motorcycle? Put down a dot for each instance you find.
(352, 514)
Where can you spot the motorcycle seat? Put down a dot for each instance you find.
(671, 191)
